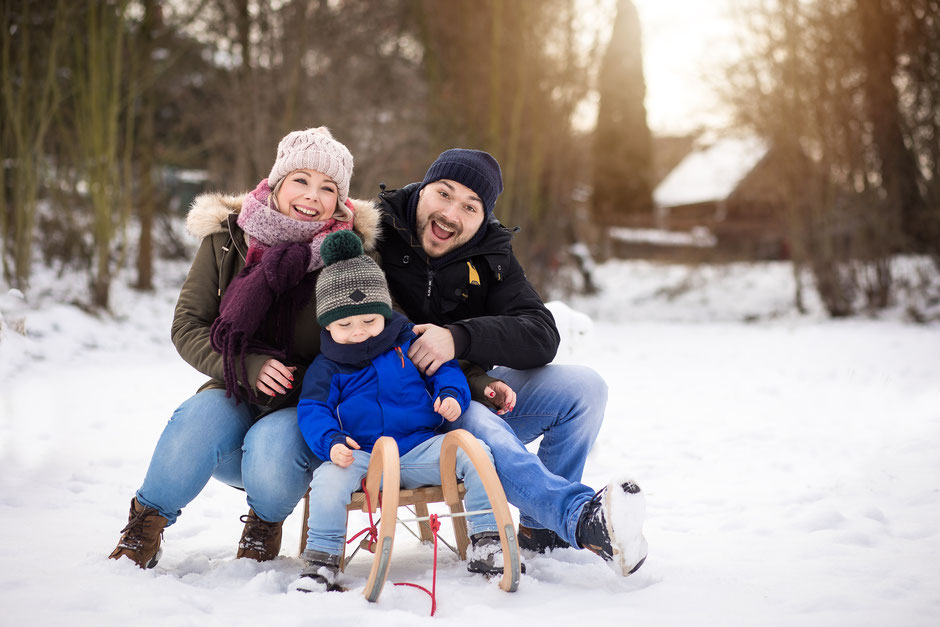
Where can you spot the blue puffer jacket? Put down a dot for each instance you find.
(372, 389)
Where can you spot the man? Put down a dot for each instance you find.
(451, 269)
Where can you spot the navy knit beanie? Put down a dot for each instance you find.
(476, 169)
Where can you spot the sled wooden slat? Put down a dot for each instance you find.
(385, 470)
(462, 439)
(420, 498)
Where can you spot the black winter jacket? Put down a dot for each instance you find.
(482, 295)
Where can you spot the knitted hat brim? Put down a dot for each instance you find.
(355, 310)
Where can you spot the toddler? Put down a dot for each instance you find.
(362, 386)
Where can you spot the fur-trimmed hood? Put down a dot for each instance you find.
(209, 213)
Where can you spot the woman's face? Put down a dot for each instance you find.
(308, 196)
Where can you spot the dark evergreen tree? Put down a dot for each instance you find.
(622, 143)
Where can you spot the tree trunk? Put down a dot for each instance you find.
(898, 166)
(99, 95)
(243, 160)
(146, 146)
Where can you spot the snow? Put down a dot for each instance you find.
(711, 173)
(789, 464)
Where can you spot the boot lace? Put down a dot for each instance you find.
(133, 532)
(257, 532)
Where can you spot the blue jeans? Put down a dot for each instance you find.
(209, 436)
(565, 404)
(332, 487)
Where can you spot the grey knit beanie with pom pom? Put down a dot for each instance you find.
(350, 282)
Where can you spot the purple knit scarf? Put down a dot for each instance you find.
(258, 309)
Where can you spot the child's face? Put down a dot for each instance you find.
(308, 196)
(356, 329)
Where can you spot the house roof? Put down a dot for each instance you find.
(710, 174)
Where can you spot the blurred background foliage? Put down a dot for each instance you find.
(115, 113)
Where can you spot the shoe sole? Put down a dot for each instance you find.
(153, 560)
(627, 543)
(322, 587)
(489, 574)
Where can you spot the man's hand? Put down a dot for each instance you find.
(341, 455)
(434, 346)
(275, 378)
(502, 396)
(448, 407)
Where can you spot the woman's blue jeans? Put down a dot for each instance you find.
(210, 436)
(564, 404)
(332, 487)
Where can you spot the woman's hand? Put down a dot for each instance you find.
(502, 396)
(342, 455)
(448, 407)
(275, 378)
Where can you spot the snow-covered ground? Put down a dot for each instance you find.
(790, 465)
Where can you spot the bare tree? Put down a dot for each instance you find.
(145, 144)
(32, 45)
(99, 95)
(821, 84)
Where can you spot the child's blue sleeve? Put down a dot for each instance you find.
(449, 380)
(316, 414)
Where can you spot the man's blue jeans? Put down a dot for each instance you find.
(565, 404)
(332, 487)
(209, 436)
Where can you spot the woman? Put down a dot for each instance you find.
(246, 317)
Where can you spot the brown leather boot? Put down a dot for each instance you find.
(261, 540)
(140, 539)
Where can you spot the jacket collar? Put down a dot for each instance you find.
(361, 354)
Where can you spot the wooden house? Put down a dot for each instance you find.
(720, 203)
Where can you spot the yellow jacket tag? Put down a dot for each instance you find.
(474, 275)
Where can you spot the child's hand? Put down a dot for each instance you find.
(341, 454)
(502, 396)
(448, 407)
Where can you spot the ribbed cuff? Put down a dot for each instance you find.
(461, 340)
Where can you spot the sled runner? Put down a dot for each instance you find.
(384, 471)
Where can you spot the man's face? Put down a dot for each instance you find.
(448, 215)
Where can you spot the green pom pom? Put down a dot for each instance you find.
(340, 245)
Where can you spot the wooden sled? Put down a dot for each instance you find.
(384, 469)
